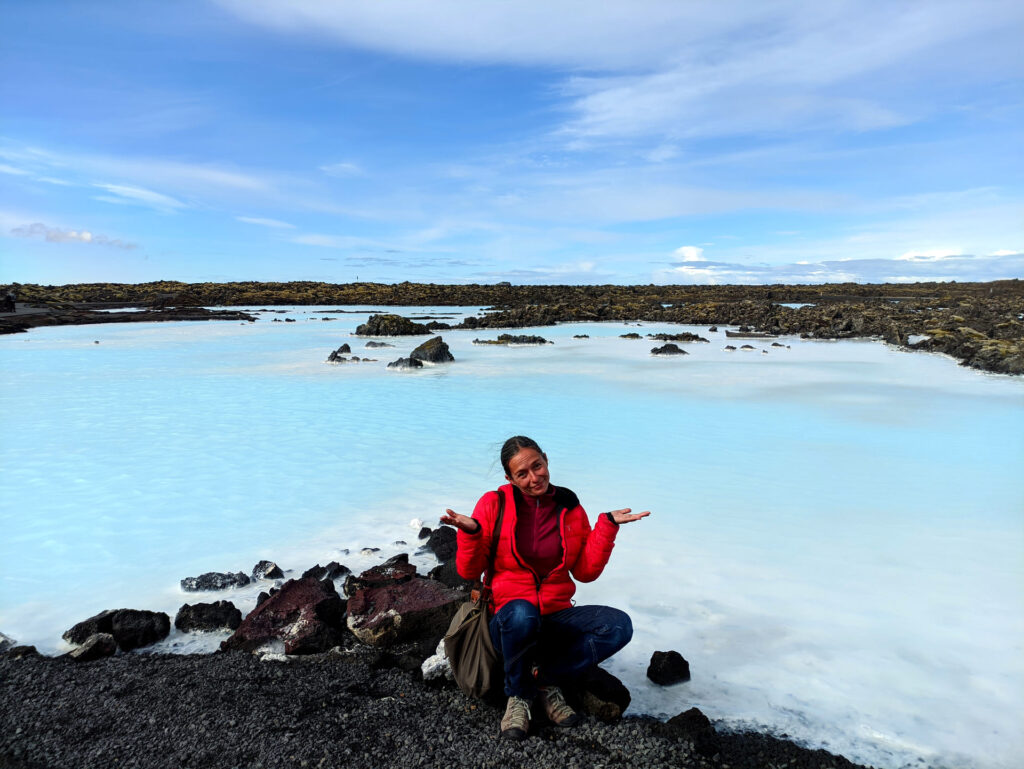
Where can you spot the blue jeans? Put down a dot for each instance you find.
(562, 645)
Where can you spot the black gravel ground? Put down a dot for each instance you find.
(333, 710)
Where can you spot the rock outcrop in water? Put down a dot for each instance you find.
(214, 580)
(208, 616)
(130, 628)
(433, 351)
(391, 325)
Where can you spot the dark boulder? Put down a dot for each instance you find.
(96, 646)
(307, 614)
(581, 336)
(694, 726)
(18, 652)
(332, 570)
(600, 694)
(390, 325)
(6, 642)
(630, 335)
(442, 543)
(378, 344)
(729, 347)
(393, 571)
(214, 580)
(667, 668)
(208, 616)
(131, 628)
(447, 574)
(336, 355)
(267, 570)
(424, 532)
(684, 336)
(668, 349)
(382, 616)
(434, 350)
(506, 339)
(406, 363)
(713, 329)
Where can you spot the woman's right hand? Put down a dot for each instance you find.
(461, 522)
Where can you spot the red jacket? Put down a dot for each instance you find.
(585, 552)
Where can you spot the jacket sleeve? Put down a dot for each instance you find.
(597, 547)
(474, 549)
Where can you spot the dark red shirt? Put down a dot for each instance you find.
(538, 537)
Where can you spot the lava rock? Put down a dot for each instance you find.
(307, 614)
(694, 726)
(267, 570)
(685, 336)
(630, 335)
(434, 350)
(383, 616)
(667, 668)
(447, 574)
(668, 349)
(506, 339)
(6, 642)
(393, 571)
(95, 647)
(208, 616)
(442, 543)
(372, 344)
(332, 570)
(424, 532)
(406, 363)
(20, 652)
(601, 694)
(390, 325)
(131, 628)
(214, 580)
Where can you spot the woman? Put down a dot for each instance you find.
(545, 541)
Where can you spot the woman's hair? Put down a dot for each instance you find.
(513, 446)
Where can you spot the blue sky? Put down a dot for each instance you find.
(555, 142)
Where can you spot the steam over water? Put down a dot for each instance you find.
(837, 533)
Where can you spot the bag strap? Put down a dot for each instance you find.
(495, 536)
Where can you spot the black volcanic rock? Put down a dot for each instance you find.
(406, 363)
(694, 726)
(131, 628)
(214, 580)
(668, 349)
(667, 668)
(433, 351)
(208, 616)
(391, 325)
(267, 570)
(95, 647)
(442, 543)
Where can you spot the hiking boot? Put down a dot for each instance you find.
(516, 722)
(556, 708)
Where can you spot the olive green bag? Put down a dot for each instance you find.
(467, 644)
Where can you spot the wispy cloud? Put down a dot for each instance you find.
(342, 169)
(274, 223)
(57, 235)
(11, 170)
(139, 196)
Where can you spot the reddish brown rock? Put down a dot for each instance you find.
(382, 616)
(307, 614)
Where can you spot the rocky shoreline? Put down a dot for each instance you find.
(979, 324)
(329, 669)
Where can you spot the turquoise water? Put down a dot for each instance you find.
(836, 533)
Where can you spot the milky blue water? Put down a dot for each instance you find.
(837, 533)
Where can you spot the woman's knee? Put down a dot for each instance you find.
(519, 616)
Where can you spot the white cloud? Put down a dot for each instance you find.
(1006, 252)
(690, 253)
(127, 194)
(930, 255)
(57, 235)
(11, 170)
(342, 169)
(275, 223)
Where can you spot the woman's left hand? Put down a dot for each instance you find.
(626, 516)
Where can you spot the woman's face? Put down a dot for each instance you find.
(528, 472)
